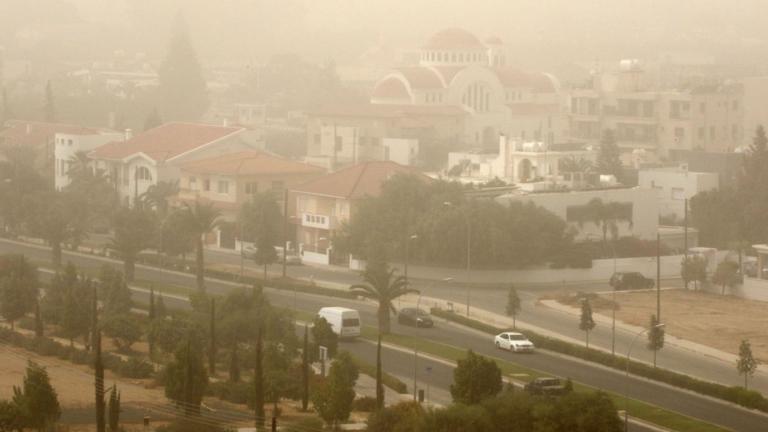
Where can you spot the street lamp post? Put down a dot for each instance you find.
(626, 382)
(469, 253)
(407, 258)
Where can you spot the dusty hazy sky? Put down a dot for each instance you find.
(341, 29)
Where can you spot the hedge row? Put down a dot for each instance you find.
(44, 346)
(388, 380)
(738, 395)
(281, 284)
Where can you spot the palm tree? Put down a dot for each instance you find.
(200, 219)
(134, 232)
(79, 165)
(607, 216)
(382, 286)
(157, 196)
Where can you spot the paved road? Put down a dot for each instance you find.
(677, 400)
(671, 357)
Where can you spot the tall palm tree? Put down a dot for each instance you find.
(607, 216)
(200, 219)
(79, 165)
(383, 286)
(135, 230)
(157, 196)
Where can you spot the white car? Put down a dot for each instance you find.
(516, 342)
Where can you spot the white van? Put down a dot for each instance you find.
(345, 322)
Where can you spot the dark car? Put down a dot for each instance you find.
(414, 317)
(630, 281)
(546, 386)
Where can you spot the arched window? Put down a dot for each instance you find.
(143, 173)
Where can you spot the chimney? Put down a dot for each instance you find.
(127, 134)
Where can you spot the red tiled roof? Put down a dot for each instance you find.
(391, 88)
(515, 78)
(387, 110)
(421, 77)
(357, 181)
(526, 108)
(248, 163)
(23, 133)
(453, 39)
(165, 142)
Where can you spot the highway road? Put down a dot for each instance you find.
(671, 357)
(670, 398)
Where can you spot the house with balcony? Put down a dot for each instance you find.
(320, 207)
(229, 180)
(137, 162)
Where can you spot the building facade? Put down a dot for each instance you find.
(674, 185)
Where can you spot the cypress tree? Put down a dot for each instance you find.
(98, 367)
(258, 384)
(39, 330)
(160, 310)
(212, 348)
(150, 330)
(305, 371)
(114, 410)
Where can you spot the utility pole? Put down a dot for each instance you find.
(658, 277)
(98, 367)
(415, 373)
(685, 235)
(469, 255)
(285, 232)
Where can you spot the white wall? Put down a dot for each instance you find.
(67, 145)
(673, 186)
(401, 150)
(645, 220)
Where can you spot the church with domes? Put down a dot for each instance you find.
(455, 68)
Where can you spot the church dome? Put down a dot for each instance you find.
(453, 39)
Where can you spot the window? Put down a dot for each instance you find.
(206, 185)
(677, 193)
(193, 183)
(223, 187)
(702, 133)
(142, 173)
(251, 188)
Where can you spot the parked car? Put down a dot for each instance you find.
(546, 386)
(513, 341)
(630, 281)
(345, 322)
(414, 317)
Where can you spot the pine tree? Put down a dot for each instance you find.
(258, 384)
(655, 337)
(160, 311)
(747, 363)
(153, 120)
(37, 399)
(305, 371)
(50, 103)
(586, 322)
(114, 410)
(609, 156)
(514, 305)
(183, 94)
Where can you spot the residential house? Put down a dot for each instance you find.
(40, 139)
(229, 180)
(156, 155)
(320, 207)
(674, 185)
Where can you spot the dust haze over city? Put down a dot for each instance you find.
(295, 215)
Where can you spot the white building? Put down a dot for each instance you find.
(674, 185)
(68, 145)
(518, 161)
(157, 154)
(640, 204)
(455, 68)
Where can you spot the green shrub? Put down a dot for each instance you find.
(81, 357)
(46, 346)
(364, 404)
(737, 395)
(136, 368)
(239, 392)
(304, 425)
